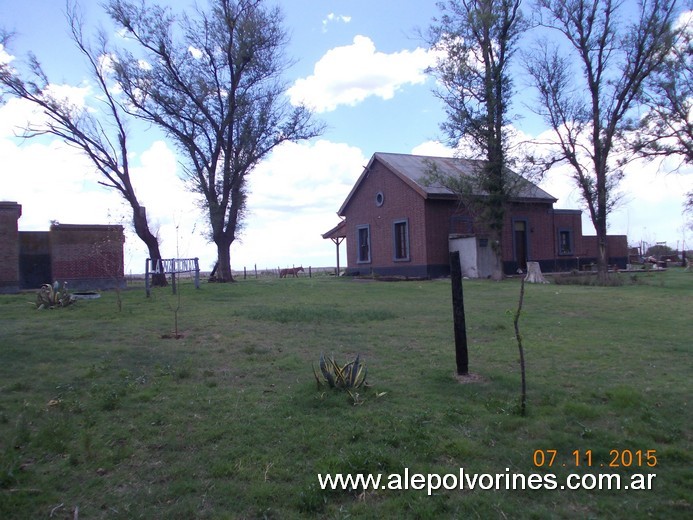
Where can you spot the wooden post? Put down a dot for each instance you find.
(460, 326)
(337, 241)
(245, 274)
(197, 273)
(310, 272)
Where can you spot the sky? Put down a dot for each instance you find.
(360, 65)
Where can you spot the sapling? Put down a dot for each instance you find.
(518, 336)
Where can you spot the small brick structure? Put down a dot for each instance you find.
(87, 257)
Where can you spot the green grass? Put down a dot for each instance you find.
(100, 415)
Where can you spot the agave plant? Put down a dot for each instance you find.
(52, 296)
(347, 377)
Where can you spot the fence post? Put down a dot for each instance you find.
(197, 273)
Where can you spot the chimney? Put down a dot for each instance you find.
(9, 246)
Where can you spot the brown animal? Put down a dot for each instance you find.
(293, 272)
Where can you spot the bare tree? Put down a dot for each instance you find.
(213, 83)
(477, 40)
(588, 88)
(5, 37)
(667, 128)
(101, 136)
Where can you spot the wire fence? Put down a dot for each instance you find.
(245, 273)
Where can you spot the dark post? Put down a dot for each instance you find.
(146, 277)
(197, 273)
(461, 355)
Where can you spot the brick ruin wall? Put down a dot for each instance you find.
(88, 257)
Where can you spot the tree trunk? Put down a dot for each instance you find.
(223, 268)
(534, 274)
(139, 219)
(497, 273)
(602, 257)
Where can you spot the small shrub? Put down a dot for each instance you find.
(347, 377)
(589, 279)
(53, 296)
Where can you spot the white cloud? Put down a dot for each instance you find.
(433, 149)
(294, 198)
(195, 52)
(17, 114)
(75, 96)
(685, 20)
(347, 75)
(653, 203)
(5, 57)
(52, 181)
(334, 18)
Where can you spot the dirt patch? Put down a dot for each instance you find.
(469, 378)
(172, 336)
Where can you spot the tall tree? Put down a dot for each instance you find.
(588, 88)
(477, 40)
(667, 128)
(99, 131)
(212, 82)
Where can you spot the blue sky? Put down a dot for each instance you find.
(359, 63)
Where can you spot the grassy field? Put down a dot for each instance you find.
(102, 418)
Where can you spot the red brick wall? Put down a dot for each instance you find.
(438, 215)
(87, 256)
(429, 222)
(616, 247)
(399, 202)
(540, 231)
(9, 246)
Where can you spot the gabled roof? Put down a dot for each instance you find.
(414, 169)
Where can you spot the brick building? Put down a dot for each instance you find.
(397, 224)
(86, 256)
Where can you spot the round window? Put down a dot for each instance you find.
(379, 198)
